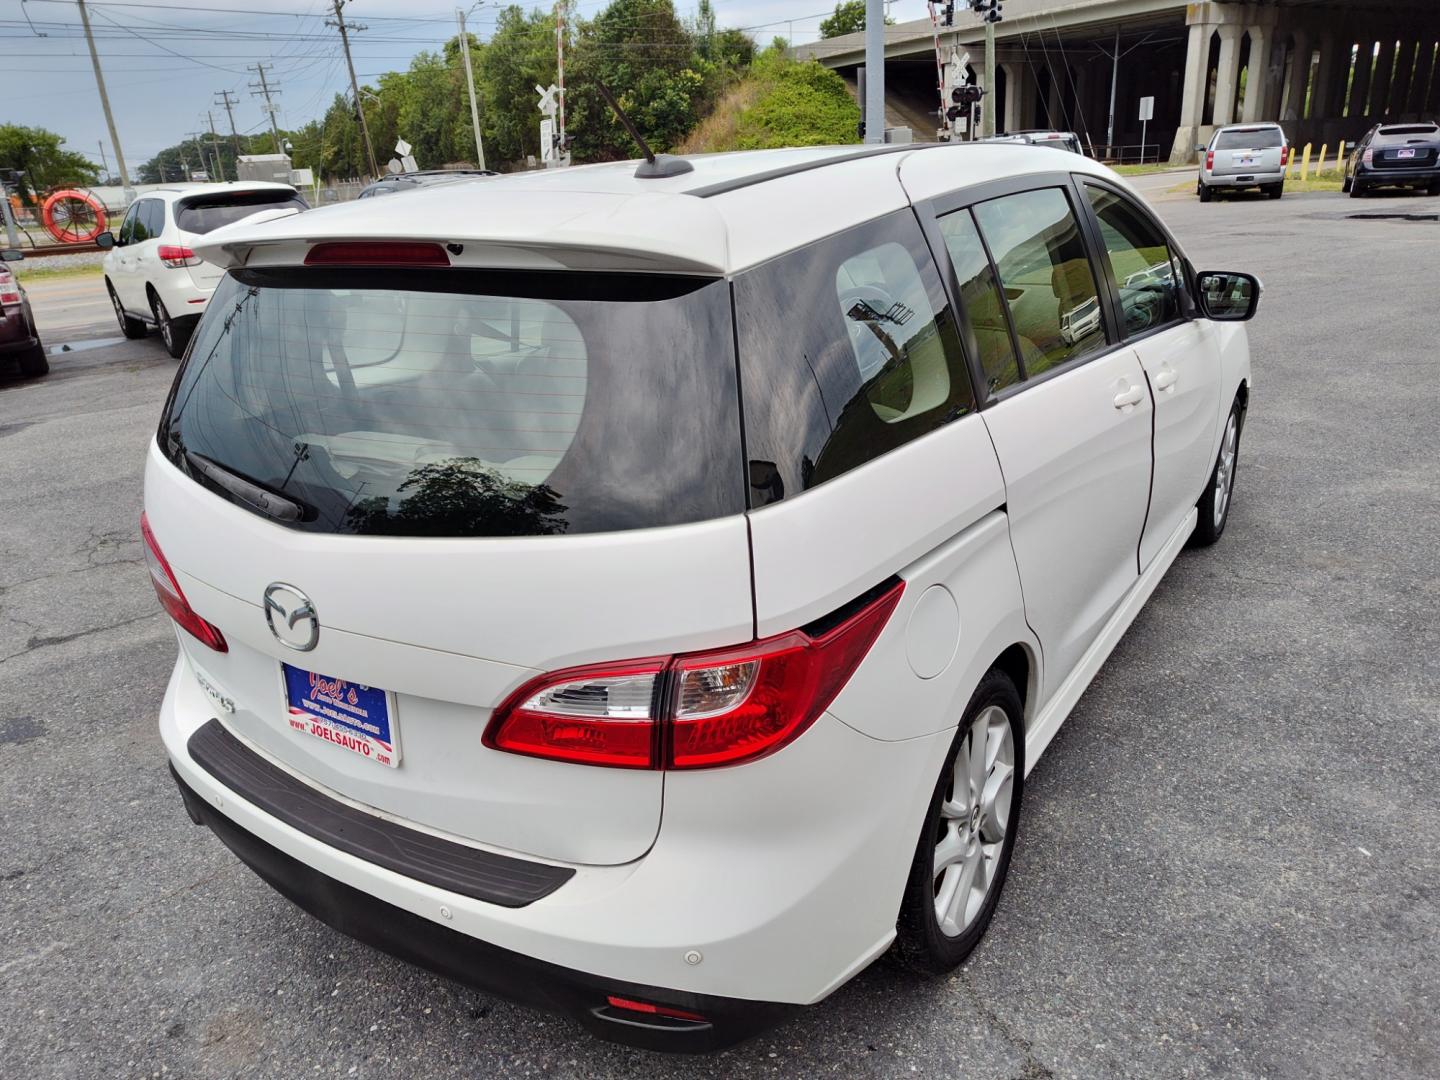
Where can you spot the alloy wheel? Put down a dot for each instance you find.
(1225, 470)
(974, 817)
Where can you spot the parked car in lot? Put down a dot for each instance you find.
(1058, 140)
(644, 596)
(152, 274)
(1244, 156)
(1395, 155)
(19, 337)
(399, 183)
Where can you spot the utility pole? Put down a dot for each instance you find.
(562, 32)
(1114, 81)
(470, 82)
(339, 21)
(266, 90)
(234, 135)
(987, 110)
(104, 97)
(104, 165)
(215, 149)
(874, 71)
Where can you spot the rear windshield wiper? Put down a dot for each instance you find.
(252, 494)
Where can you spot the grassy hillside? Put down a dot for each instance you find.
(779, 102)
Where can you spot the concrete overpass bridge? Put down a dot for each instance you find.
(1325, 69)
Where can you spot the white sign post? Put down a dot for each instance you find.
(547, 142)
(1147, 113)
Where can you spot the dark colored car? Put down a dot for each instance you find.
(402, 182)
(18, 336)
(1395, 155)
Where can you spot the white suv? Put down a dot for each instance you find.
(152, 274)
(646, 599)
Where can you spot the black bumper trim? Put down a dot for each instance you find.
(491, 968)
(481, 875)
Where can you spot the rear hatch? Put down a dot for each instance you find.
(472, 477)
(1243, 151)
(1412, 146)
(203, 213)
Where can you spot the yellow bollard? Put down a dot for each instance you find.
(1305, 164)
(1320, 165)
(1340, 158)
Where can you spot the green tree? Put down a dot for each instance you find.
(519, 56)
(849, 18)
(647, 58)
(39, 156)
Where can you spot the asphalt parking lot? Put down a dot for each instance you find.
(1229, 859)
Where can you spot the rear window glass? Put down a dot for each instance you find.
(459, 403)
(205, 213)
(1250, 139)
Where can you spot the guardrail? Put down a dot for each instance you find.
(1125, 153)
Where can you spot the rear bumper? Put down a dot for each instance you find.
(1427, 174)
(1257, 179)
(757, 896)
(17, 332)
(488, 967)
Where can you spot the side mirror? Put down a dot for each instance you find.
(1201, 148)
(11, 255)
(105, 241)
(1228, 295)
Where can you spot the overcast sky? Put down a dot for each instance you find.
(166, 60)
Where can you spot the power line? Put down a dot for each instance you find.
(339, 21)
(266, 90)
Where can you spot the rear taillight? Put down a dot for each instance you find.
(376, 253)
(176, 257)
(9, 288)
(1368, 157)
(1284, 156)
(695, 710)
(171, 598)
(1210, 159)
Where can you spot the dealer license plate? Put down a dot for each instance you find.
(346, 714)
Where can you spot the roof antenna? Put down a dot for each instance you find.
(655, 166)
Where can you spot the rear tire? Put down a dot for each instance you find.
(34, 362)
(175, 335)
(1357, 190)
(1205, 193)
(1214, 505)
(1434, 188)
(1275, 191)
(132, 328)
(969, 834)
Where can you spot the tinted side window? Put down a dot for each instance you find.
(127, 227)
(156, 220)
(847, 350)
(989, 331)
(140, 228)
(1140, 258)
(1048, 283)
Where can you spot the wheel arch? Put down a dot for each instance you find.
(1019, 664)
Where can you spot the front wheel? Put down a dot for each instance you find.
(964, 850)
(1214, 505)
(131, 328)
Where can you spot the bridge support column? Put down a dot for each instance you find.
(1424, 61)
(1360, 85)
(1015, 74)
(1195, 82)
(1300, 55)
(1397, 104)
(1257, 79)
(1227, 74)
(1327, 78)
(1381, 77)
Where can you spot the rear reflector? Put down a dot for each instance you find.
(167, 589)
(695, 710)
(1284, 156)
(377, 253)
(1210, 159)
(652, 1010)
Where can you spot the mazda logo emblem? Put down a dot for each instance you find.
(292, 617)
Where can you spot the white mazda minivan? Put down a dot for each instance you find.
(641, 593)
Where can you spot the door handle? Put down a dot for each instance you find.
(1131, 395)
(1165, 378)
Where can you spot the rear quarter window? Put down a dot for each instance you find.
(848, 350)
